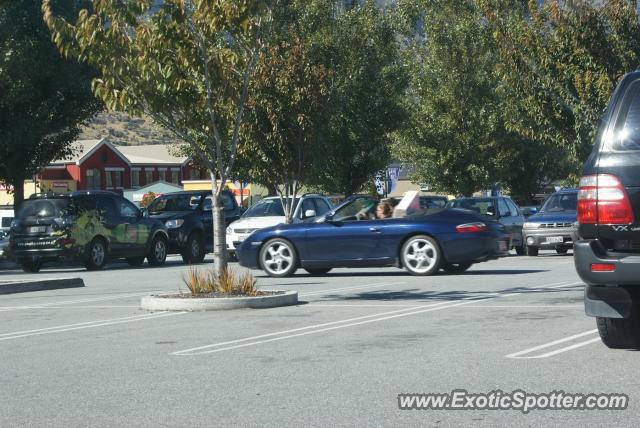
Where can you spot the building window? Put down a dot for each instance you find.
(109, 177)
(135, 178)
(175, 177)
(118, 176)
(194, 174)
(93, 179)
(148, 176)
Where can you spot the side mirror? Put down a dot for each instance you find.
(309, 213)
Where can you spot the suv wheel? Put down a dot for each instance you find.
(620, 333)
(532, 251)
(278, 258)
(421, 255)
(562, 250)
(193, 251)
(31, 266)
(96, 256)
(158, 251)
(521, 250)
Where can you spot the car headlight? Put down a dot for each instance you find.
(530, 226)
(229, 230)
(174, 224)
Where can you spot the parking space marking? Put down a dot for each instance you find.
(71, 302)
(334, 325)
(85, 325)
(355, 287)
(519, 354)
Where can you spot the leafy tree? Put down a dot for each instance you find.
(286, 107)
(186, 64)
(558, 64)
(361, 47)
(44, 97)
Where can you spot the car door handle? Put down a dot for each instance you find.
(374, 229)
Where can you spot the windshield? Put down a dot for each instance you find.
(266, 208)
(40, 208)
(481, 206)
(561, 202)
(181, 202)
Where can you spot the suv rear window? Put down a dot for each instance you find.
(627, 132)
(41, 208)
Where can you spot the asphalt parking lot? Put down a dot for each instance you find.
(89, 356)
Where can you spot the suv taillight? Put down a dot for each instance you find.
(602, 199)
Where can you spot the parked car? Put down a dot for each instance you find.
(6, 217)
(554, 227)
(269, 212)
(4, 244)
(501, 209)
(607, 255)
(189, 220)
(91, 226)
(447, 238)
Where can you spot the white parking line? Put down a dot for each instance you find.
(518, 355)
(70, 302)
(334, 325)
(85, 325)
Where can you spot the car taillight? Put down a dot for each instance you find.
(471, 227)
(603, 199)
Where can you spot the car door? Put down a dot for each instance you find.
(505, 218)
(345, 240)
(518, 221)
(110, 221)
(135, 232)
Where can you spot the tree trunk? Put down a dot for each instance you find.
(219, 230)
(18, 194)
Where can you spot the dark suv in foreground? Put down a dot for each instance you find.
(188, 218)
(607, 255)
(88, 226)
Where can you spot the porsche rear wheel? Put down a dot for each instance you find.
(421, 255)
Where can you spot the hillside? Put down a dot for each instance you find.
(122, 129)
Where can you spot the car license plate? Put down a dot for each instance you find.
(555, 239)
(37, 229)
(503, 246)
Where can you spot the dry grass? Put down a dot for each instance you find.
(204, 281)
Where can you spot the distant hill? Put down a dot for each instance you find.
(122, 129)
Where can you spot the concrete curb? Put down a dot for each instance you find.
(10, 287)
(156, 303)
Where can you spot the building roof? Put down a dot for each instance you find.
(152, 154)
(80, 148)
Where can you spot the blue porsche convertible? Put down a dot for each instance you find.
(351, 236)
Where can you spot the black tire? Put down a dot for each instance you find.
(562, 250)
(318, 272)
(521, 250)
(454, 268)
(278, 258)
(31, 266)
(135, 261)
(620, 333)
(158, 251)
(532, 251)
(416, 251)
(96, 256)
(193, 251)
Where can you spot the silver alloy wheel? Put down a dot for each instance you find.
(160, 250)
(277, 258)
(97, 253)
(420, 255)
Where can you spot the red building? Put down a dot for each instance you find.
(98, 164)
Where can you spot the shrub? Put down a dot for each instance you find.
(205, 282)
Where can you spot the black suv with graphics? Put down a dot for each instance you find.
(607, 254)
(189, 220)
(90, 226)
